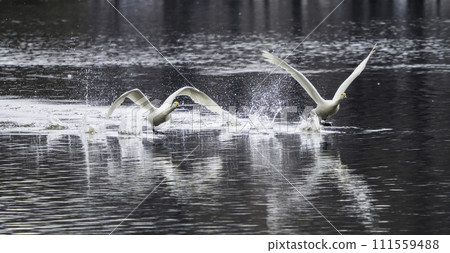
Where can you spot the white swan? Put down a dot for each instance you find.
(160, 115)
(325, 108)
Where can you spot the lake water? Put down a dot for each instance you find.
(382, 168)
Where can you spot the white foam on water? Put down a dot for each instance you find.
(310, 123)
(50, 116)
(36, 115)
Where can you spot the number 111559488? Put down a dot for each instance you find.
(405, 244)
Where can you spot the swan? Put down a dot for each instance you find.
(324, 108)
(160, 115)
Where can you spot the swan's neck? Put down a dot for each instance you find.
(337, 101)
(168, 110)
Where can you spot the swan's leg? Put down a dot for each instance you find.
(156, 131)
(325, 123)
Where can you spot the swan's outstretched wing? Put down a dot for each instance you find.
(304, 82)
(200, 98)
(136, 96)
(352, 77)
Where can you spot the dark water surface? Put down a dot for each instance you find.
(382, 168)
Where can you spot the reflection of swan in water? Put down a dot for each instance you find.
(93, 147)
(314, 175)
(356, 188)
(146, 164)
(314, 170)
(199, 179)
(128, 160)
(351, 186)
(137, 161)
(131, 148)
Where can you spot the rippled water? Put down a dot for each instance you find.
(381, 168)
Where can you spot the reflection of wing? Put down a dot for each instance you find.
(352, 77)
(200, 98)
(136, 96)
(304, 82)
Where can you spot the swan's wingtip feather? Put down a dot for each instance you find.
(133, 90)
(267, 55)
(374, 48)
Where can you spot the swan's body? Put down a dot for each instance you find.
(324, 108)
(160, 115)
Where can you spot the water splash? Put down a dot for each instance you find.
(42, 115)
(311, 123)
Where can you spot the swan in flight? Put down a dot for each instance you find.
(324, 108)
(160, 115)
